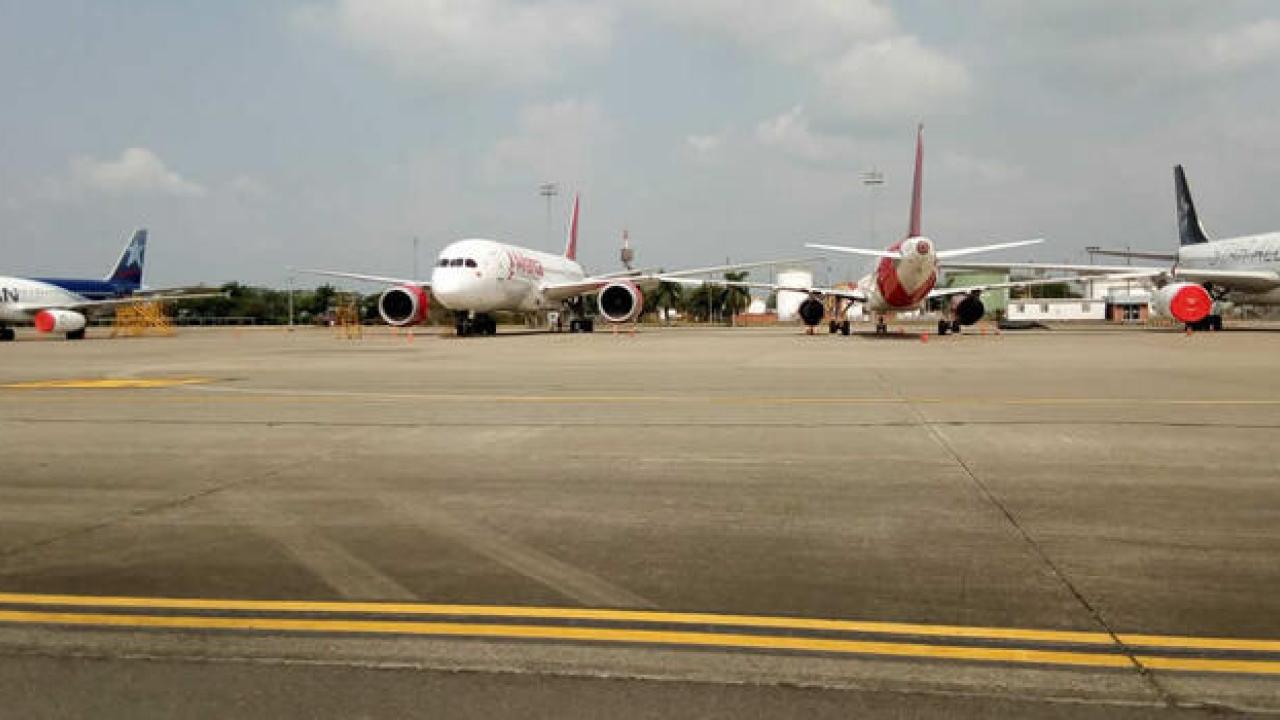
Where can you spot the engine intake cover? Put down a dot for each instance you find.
(49, 321)
(1184, 302)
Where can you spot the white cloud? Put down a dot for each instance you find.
(464, 41)
(138, 171)
(247, 186)
(554, 141)
(893, 78)
(1245, 46)
(792, 134)
(704, 146)
(795, 31)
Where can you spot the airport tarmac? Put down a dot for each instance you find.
(707, 522)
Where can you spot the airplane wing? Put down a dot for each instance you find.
(564, 291)
(367, 278)
(967, 289)
(1247, 280)
(33, 308)
(846, 293)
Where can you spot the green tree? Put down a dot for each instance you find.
(664, 298)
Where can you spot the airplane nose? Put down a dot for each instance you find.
(923, 247)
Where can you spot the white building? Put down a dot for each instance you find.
(1057, 309)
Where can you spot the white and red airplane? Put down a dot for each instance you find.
(1204, 276)
(475, 278)
(905, 276)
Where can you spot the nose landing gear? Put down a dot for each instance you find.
(479, 324)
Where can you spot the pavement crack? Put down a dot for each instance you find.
(1165, 695)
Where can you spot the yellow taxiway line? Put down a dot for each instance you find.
(1093, 649)
(104, 383)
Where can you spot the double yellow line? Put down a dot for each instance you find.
(645, 627)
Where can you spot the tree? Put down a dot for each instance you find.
(664, 298)
(735, 298)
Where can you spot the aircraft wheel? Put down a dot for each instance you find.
(832, 327)
(7, 335)
(955, 326)
(943, 327)
(844, 328)
(588, 325)
(1215, 322)
(76, 334)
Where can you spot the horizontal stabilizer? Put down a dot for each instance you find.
(855, 251)
(961, 252)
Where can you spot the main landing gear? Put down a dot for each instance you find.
(476, 325)
(76, 334)
(584, 325)
(946, 326)
(1210, 322)
(838, 326)
(881, 327)
(7, 334)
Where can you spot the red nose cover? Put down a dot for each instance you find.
(922, 247)
(1190, 304)
(45, 321)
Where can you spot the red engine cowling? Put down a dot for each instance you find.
(60, 321)
(1184, 302)
(621, 301)
(404, 305)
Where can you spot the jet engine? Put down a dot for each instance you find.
(811, 311)
(620, 302)
(967, 309)
(1184, 302)
(404, 305)
(61, 321)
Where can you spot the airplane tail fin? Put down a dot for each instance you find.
(913, 229)
(571, 241)
(1190, 231)
(128, 270)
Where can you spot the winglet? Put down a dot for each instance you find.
(128, 270)
(1190, 231)
(571, 243)
(913, 229)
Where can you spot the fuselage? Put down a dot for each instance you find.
(483, 276)
(16, 292)
(1249, 252)
(902, 283)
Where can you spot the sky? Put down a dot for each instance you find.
(254, 135)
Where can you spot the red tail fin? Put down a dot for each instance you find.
(571, 244)
(917, 184)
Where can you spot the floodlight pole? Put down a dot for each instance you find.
(872, 179)
(290, 302)
(548, 190)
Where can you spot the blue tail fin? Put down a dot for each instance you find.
(128, 271)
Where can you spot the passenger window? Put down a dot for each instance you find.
(456, 262)
(471, 263)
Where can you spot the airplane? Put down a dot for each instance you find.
(60, 304)
(476, 277)
(905, 276)
(1204, 275)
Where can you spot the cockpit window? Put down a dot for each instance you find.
(456, 262)
(471, 263)
(444, 262)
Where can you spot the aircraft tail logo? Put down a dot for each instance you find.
(1190, 231)
(128, 271)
